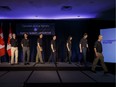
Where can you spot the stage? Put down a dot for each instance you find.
(61, 74)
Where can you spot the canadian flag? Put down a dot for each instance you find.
(8, 43)
(2, 44)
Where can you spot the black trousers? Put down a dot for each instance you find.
(52, 56)
(84, 51)
(68, 59)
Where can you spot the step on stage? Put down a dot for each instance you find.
(53, 75)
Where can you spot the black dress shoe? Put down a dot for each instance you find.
(93, 71)
(28, 64)
(106, 72)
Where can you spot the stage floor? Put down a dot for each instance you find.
(43, 74)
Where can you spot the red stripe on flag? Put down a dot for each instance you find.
(2, 44)
(8, 43)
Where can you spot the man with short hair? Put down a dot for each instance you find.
(25, 43)
(14, 49)
(39, 50)
(98, 55)
(68, 45)
(83, 45)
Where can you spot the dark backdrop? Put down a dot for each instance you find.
(63, 28)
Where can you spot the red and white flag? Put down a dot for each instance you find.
(8, 43)
(2, 44)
